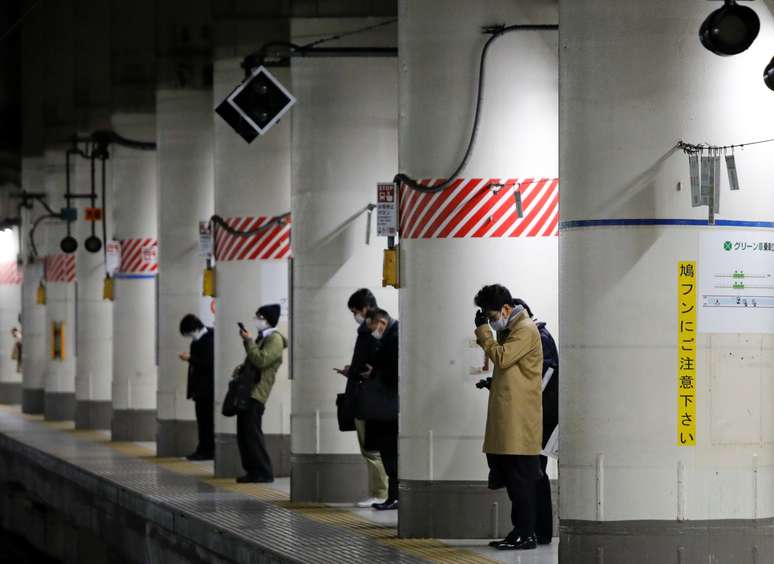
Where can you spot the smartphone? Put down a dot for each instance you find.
(241, 326)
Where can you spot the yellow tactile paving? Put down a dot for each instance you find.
(429, 549)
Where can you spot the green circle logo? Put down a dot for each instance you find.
(727, 245)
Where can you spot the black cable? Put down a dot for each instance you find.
(104, 208)
(258, 58)
(93, 189)
(35, 225)
(218, 221)
(496, 33)
(18, 22)
(695, 148)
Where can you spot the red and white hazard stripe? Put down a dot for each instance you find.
(10, 273)
(270, 244)
(60, 268)
(139, 256)
(478, 208)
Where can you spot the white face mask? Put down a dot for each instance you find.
(189, 336)
(260, 325)
(359, 319)
(377, 334)
(501, 324)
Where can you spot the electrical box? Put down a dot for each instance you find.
(208, 282)
(107, 289)
(57, 340)
(40, 295)
(391, 268)
(69, 214)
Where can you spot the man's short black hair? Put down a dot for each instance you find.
(190, 324)
(522, 303)
(493, 298)
(377, 314)
(362, 298)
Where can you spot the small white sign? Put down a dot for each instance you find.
(112, 257)
(736, 282)
(386, 209)
(150, 255)
(205, 239)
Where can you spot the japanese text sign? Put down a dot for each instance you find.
(686, 353)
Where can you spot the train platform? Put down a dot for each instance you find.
(80, 493)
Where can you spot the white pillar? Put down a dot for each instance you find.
(60, 299)
(34, 358)
(134, 315)
(455, 242)
(344, 142)
(634, 81)
(185, 121)
(94, 366)
(10, 310)
(252, 183)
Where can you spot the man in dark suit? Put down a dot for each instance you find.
(382, 413)
(201, 383)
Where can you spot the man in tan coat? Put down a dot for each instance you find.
(514, 423)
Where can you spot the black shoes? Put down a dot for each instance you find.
(388, 505)
(544, 540)
(200, 456)
(515, 542)
(247, 479)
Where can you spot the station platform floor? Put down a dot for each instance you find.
(175, 492)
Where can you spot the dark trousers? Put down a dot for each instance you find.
(252, 444)
(544, 524)
(383, 436)
(388, 450)
(519, 473)
(205, 422)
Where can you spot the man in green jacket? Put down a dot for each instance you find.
(265, 355)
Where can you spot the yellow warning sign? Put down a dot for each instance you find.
(686, 353)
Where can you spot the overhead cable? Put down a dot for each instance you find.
(496, 32)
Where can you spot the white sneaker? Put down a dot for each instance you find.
(367, 503)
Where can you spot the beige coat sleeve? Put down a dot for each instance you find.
(516, 346)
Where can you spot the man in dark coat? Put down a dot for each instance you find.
(545, 520)
(201, 382)
(382, 416)
(359, 304)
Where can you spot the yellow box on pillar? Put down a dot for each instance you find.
(107, 289)
(57, 340)
(391, 268)
(208, 282)
(40, 295)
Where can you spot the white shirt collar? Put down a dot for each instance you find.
(200, 333)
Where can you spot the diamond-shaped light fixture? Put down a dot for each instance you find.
(256, 105)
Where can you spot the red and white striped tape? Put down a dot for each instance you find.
(478, 208)
(139, 256)
(10, 273)
(271, 244)
(60, 268)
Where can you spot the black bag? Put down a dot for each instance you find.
(240, 389)
(345, 411)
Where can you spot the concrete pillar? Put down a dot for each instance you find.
(94, 340)
(135, 222)
(34, 358)
(60, 275)
(94, 367)
(33, 180)
(10, 310)
(135, 187)
(630, 491)
(252, 184)
(349, 107)
(186, 191)
(455, 242)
